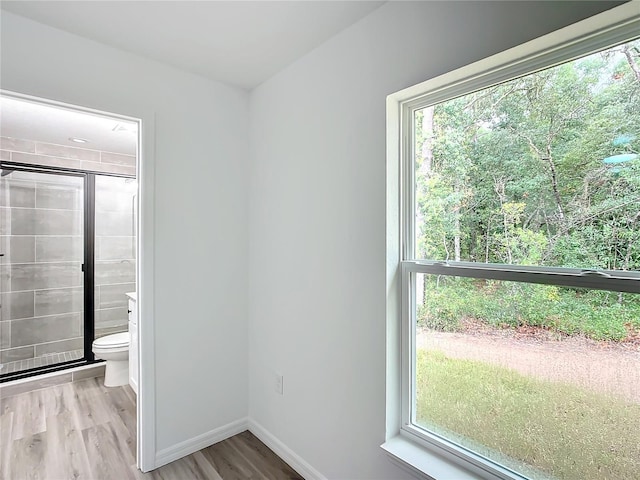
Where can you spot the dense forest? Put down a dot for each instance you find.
(541, 170)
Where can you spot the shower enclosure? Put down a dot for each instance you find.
(68, 245)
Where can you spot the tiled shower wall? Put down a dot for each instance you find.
(39, 153)
(115, 268)
(41, 235)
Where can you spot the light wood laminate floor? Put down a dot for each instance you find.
(83, 430)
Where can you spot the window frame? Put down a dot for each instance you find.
(605, 30)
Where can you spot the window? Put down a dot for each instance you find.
(520, 258)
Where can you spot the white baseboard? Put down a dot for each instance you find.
(182, 449)
(285, 453)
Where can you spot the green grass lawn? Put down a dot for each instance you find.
(564, 431)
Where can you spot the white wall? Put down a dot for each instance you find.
(317, 218)
(200, 208)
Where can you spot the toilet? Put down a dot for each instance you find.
(114, 349)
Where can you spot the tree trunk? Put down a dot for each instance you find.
(426, 165)
(632, 61)
(499, 187)
(427, 146)
(486, 242)
(456, 235)
(554, 182)
(548, 159)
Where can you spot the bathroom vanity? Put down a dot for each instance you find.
(133, 341)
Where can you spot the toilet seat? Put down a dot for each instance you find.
(114, 340)
(114, 343)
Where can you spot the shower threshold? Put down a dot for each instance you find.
(42, 361)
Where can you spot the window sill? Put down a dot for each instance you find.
(424, 463)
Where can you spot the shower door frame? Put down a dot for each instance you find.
(88, 265)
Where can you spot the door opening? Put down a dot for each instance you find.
(68, 239)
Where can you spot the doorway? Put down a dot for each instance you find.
(68, 203)
(128, 133)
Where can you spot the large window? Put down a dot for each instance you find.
(520, 263)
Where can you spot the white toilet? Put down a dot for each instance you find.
(115, 350)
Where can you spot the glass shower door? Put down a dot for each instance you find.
(41, 276)
(115, 252)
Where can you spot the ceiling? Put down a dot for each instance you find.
(242, 43)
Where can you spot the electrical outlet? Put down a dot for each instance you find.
(279, 385)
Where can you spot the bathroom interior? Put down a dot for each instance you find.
(68, 216)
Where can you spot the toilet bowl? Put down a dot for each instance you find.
(115, 350)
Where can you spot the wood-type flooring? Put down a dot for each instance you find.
(83, 430)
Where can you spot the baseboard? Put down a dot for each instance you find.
(182, 449)
(285, 453)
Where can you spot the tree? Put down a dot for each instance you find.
(515, 173)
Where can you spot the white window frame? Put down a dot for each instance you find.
(591, 35)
